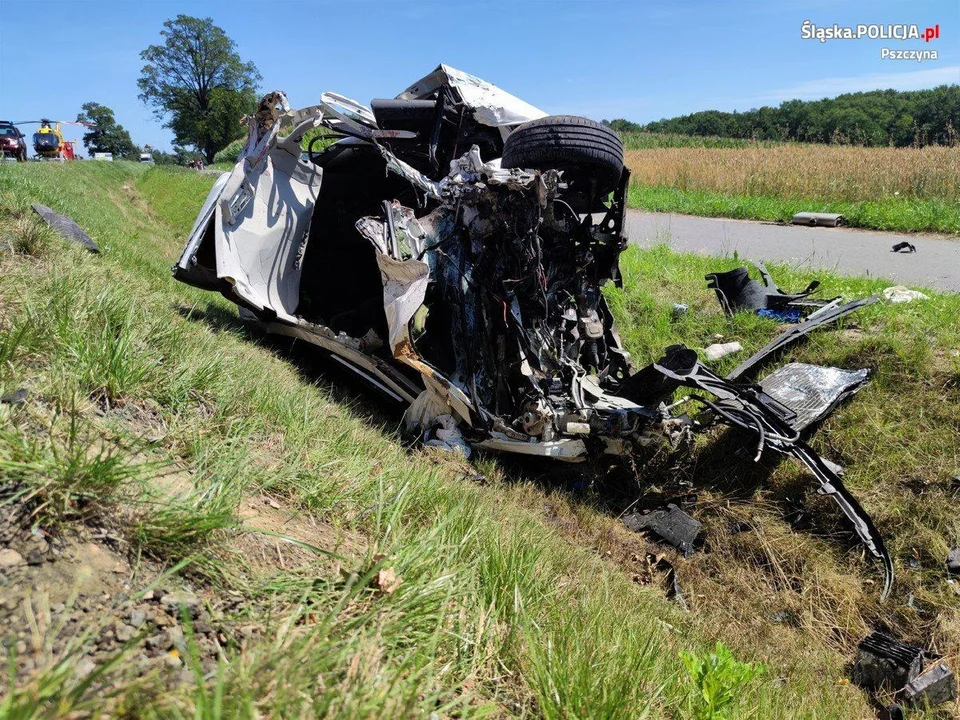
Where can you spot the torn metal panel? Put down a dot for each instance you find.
(490, 104)
(816, 321)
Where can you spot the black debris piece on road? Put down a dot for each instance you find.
(65, 227)
(15, 397)
(904, 247)
(933, 687)
(885, 662)
(672, 525)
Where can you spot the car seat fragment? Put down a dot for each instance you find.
(823, 317)
(65, 227)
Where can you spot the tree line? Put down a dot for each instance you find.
(197, 85)
(878, 117)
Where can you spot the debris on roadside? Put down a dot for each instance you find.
(900, 294)
(672, 525)
(15, 397)
(885, 662)
(815, 219)
(737, 291)
(811, 391)
(821, 318)
(933, 687)
(953, 562)
(679, 310)
(904, 247)
(657, 566)
(718, 350)
(65, 227)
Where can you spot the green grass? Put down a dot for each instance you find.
(647, 140)
(895, 214)
(516, 598)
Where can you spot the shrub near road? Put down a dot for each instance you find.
(313, 565)
(904, 189)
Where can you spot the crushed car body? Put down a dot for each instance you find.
(450, 249)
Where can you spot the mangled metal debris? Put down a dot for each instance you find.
(451, 250)
(65, 227)
(737, 291)
(904, 247)
(953, 562)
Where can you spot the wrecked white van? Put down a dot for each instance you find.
(450, 249)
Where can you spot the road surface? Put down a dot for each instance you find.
(936, 264)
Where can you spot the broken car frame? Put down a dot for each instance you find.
(450, 249)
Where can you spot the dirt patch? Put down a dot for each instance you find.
(274, 536)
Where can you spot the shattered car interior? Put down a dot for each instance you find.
(451, 249)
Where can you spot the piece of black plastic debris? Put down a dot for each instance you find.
(15, 397)
(891, 712)
(816, 320)
(933, 687)
(672, 525)
(885, 662)
(66, 227)
(953, 562)
(904, 247)
(737, 291)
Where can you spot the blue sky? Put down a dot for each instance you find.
(638, 59)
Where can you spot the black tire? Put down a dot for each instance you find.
(586, 151)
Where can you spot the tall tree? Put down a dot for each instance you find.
(106, 135)
(197, 83)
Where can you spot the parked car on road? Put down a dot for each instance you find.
(12, 141)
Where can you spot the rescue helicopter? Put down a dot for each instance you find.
(48, 140)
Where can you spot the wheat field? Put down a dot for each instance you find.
(824, 172)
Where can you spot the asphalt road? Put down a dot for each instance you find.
(936, 264)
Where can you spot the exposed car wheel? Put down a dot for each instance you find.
(589, 154)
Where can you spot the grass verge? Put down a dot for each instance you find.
(893, 214)
(500, 594)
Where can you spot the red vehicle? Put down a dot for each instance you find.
(12, 143)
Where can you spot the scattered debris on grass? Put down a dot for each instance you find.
(719, 350)
(672, 525)
(65, 227)
(900, 294)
